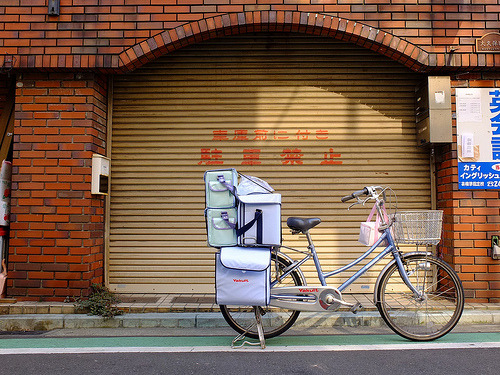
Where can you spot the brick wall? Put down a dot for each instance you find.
(92, 33)
(471, 216)
(56, 246)
(60, 61)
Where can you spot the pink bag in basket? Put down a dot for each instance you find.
(368, 233)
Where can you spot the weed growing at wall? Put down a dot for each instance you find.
(101, 301)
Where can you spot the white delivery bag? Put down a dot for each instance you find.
(253, 185)
(266, 229)
(242, 276)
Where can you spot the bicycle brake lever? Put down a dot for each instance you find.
(352, 205)
(358, 201)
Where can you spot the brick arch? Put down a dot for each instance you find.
(357, 33)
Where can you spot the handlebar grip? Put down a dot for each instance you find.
(354, 195)
(346, 198)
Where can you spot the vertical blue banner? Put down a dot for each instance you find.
(478, 138)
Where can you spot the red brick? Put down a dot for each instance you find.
(474, 252)
(474, 268)
(488, 293)
(67, 276)
(40, 292)
(54, 283)
(495, 269)
(40, 275)
(475, 285)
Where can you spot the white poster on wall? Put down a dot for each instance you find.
(478, 138)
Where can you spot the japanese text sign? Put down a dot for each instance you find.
(290, 155)
(478, 130)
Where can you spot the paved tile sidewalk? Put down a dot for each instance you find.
(191, 311)
(171, 303)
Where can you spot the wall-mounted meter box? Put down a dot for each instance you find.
(433, 111)
(100, 174)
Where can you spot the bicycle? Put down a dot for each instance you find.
(418, 295)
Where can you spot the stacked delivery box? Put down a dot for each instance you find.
(244, 222)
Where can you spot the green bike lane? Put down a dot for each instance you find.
(43, 345)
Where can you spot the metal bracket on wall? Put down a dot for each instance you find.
(495, 247)
(54, 7)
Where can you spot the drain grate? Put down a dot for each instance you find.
(138, 299)
(190, 299)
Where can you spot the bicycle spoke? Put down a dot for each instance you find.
(274, 320)
(429, 315)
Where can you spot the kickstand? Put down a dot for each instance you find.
(260, 330)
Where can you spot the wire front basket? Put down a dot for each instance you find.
(418, 227)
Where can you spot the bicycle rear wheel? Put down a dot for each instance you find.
(429, 316)
(275, 321)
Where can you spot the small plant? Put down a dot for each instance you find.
(101, 301)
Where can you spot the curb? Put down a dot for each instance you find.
(47, 322)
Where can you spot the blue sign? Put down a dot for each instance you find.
(479, 175)
(478, 138)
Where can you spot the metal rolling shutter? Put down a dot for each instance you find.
(315, 117)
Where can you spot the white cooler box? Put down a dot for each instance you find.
(270, 206)
(242, 276)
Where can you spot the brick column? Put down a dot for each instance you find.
(57, 230)
(471, 217)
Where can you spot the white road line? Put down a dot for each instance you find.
(269, 349)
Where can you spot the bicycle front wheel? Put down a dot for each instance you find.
(275, 321)
(426, 317)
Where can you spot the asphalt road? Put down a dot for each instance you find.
(475, 350)
(386, 362)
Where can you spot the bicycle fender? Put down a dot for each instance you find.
(283, 255)
(403, 256)
(290, 261)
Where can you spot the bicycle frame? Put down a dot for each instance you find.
(432, 311)
(391, 248)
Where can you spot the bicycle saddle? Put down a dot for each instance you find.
(301, 224)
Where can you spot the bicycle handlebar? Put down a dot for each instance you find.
(355, 195)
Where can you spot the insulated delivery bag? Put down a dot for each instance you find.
(250, 215)
(265, 210)
(220, 212)
(259, 213)
(221, 226)
(220, 188)
(242, 276)
(252, 219)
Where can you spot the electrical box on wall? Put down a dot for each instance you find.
(433, 111)
(100, 174)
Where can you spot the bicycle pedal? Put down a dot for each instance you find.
(356, 308)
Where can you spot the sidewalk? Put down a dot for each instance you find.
(191, 311)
